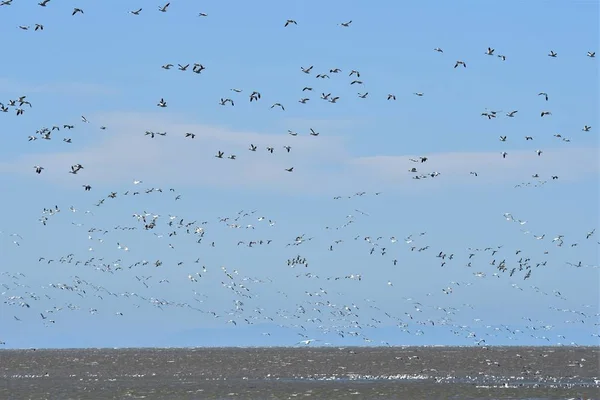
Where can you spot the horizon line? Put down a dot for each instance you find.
(430, 346)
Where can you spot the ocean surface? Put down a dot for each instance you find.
(299, 373)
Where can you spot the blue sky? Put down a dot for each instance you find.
(106, 65)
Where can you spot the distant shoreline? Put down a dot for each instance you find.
(305, 347)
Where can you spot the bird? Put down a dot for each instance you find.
(290, 169)
(190, 135)
(489, 51)
(290, 21)
(460, 63)
(552, 54)
(438, 50)
(77, 10)
(43, 3)
(38, 169)
(591, 54)
(313, 132)
(39, 27)
(512, 113)
(543, 113)
(164, 8)
(586, 128)
(162, 103)
(306, 70)
(220, 154)
(543, 94)
(278, 105)
(254, 96)
(346, 24)
(136, 12)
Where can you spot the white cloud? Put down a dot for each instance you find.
(322, 164)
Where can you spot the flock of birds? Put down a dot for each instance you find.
(317, 303)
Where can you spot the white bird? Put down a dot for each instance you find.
(308, 341)
(591, 54)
